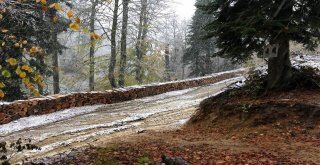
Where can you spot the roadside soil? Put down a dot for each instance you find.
(279, 128)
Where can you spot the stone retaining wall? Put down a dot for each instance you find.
(38, 106)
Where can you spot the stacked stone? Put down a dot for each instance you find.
(39, 106)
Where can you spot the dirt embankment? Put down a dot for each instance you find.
(296, 108)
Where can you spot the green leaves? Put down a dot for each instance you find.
(85, 30)
(6, 74)
(2, 85)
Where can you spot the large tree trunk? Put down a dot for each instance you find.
(123, 56)
(112, 63)
(279, 68)
(141, 43)
(92, 45)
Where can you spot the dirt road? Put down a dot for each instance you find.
(63, 131)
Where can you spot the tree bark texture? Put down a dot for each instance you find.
(208, 62)
(141, 40)
(92, 45)
(55, 53)
(55, 64)
(113, 61)
(167, 63)
(123, 51)
(279, 68)
(41, 64)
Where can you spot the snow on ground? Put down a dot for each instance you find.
(297, 61)
(4, 103)
(83, 124)
(307, 60)
(184, 101)
(84, 137)
(168, 94)
(178, 81)
(34, 121)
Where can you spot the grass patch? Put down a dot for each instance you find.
(144, 160)
(101, 158)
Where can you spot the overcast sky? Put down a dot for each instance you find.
(184, 8)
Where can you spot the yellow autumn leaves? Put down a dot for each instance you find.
(21, 71)
(38, 79)
(34, 50)
(1, 93)
(20, 45)
(56, 6)
(16, 69)
(70, 13)
(42, 1)
(24, 72)
(95, 36)
(75, 24)
(12, 61)
(2, 85)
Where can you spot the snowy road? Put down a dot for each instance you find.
(60, 132)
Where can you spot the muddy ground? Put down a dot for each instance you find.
(61, 132)
(280, 132)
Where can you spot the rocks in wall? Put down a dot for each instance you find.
(54, 103)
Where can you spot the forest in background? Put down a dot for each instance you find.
(110, 44)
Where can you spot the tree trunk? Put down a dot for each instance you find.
(41, 64)
(92, 45)
(40, 61)
(141, 45)
(55, 64)
(183, 71)
(113, 61)
(123, 51)
(167, 63)
(208, 62)
(55, 53)
(279, 68)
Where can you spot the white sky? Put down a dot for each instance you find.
(184, 8)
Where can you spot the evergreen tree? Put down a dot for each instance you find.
(198, 54)
(245, 27)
